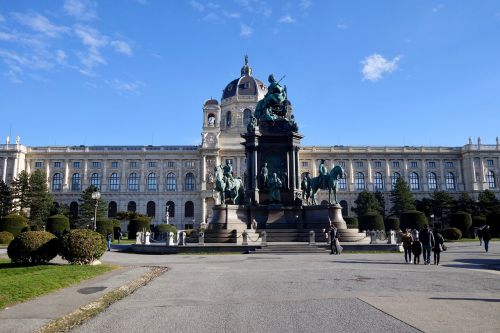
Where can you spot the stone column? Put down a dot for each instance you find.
(442, 181)
(204, 173)
(47, 171)
(425, 181)
(16, 165)
(85, 180)
(388, 182)
(4, 173)
(66, 176)
(203, 210)
(105, 179)
(123, 178)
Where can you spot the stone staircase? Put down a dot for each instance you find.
(291, 248)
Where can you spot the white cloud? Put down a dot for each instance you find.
(84, 10)
(304, 4)
(437, 8)
(246, 31)
(121, 47)
(197, 5)
(375, 66)
(61, 56)
(2, 19)
(7, 36)
(39, 23)
(125, 87)
(287, 19)
(342, 25)
(231, 15)
(90, 36)
(211, 17)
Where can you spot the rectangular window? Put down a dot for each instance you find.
(57, 164)
(190, 164)
(114, 164)
(170, 164)
(96, 164)
(76, 165)
(395, 164)
(449, 164)
(132, 165)
(341, 163)
(305, 164)
(490, 163)
(152, 164)
(413, 164)
(432, 164)
(378, 164)
(38, 164)
(359, 164)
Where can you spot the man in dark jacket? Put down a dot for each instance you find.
(333, 240)
(486, 237)
(427, 239)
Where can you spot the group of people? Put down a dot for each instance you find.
(423, 243)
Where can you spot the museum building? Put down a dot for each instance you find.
(152, 179)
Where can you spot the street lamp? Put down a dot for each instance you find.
(96, 196)
(432, 220)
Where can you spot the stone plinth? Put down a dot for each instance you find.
(229, 217)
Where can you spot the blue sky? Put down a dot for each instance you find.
(136, 72)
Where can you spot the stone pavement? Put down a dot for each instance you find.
(308, 293)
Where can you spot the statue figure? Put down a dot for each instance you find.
(211, 121)
(470, 140)
(252, 124)
(264, 176)
(498, 142)
(323, 173)
(293, 124)
(18, 140)
(275, 96)
(7, 140)
(305, 186)
(274, 188)
(228, 173)
(331, 184)
(228, 187)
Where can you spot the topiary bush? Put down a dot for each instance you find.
(167, 228)
(461, 221)
(371, 221)
(57, 224)
(412, 219)
(391, 223)
(351, 221)
(478, 221)
(104, 227)
(6, 237)
(14, 224)
(138, 224)
(82, 246)
(33, 247)
(493, 220)
(452, 234)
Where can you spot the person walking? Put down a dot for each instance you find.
(334, 238)
(416, 249)
(438, 246)
(109, 238)
(427, 239)
(486, 236)
(406, 240)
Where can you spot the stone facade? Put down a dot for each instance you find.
(147, 178)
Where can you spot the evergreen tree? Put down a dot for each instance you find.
(424, 206)
(366, 202)
(465, 204)
(87, 207)
(5, 199)
(488, 201)
(20, 190)
(442, 203)
(41, 200)
(381, 201)
(401, 197)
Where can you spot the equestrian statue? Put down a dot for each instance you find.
(325, 181)
(227, 186)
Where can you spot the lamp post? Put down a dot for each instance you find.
(167, 215)
(432, 220)
(96, 196)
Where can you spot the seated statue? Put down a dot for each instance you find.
(276, 95)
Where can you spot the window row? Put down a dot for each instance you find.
(116, 164)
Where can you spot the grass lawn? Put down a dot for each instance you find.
(19, 283)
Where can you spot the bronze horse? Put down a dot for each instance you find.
(313, 185)
(228, 188)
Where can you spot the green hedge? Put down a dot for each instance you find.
(412, 219)
(35, 247)
(14, 224)
(6, 237)
(166, 228)
(104, 227)
(138, 224)
(371, 221)
(82, 246)
(461, 221)
(452, 234)
(478, 221)
(493, 220)
(57, 224)
(391, 223)
(351, 221)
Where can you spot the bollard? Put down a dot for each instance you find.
(373, 237)
(390, 237)
(263, 238)
(138, 238)
(146, 238)
(201, 238)
(244, 235)
(182, 238)
(312, 237)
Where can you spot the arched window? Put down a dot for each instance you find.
(342, 184)
(211, 120)
(133, 182)
(95, 179)
(490, 179)
(189, 209)
(360, 181)
(189, 184)
(345, 208)
(229, 119)
(114, 182)
(171, 208)
(151, 209)
(76, 183)
(414, 183)
(247, 114)
(152, 182)
(394, 179)
(171, 182)
(112, 209)
(56, 182)
(450, 181)
(131, 206)
(378, 182)
(73, 209)
(432, 181)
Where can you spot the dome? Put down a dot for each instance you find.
(211, 101)
(245, 85)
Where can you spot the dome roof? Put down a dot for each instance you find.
(211, 101)
(245, 85)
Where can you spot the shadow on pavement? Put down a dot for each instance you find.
(493, 300)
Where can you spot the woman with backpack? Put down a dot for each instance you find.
(438, 246)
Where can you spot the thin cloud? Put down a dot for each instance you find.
(231, 15)
(304, 4)
(342, 25)
(375, 66)
(121, 47)
(124, 87)
(246, 31)
(39, 23)
(197, 5)
(94, 41)
(2, 19)
(83, 10)
(211, 17)
(287, 19)
(437, 8)
(61, 56)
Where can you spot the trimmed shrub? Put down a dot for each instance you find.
(371, 221)
(412, 219)
(478, 221)
(136, 225)
(351, 221)
(14, 224)
(6, 237)
(461, 221)
(167, 228)
(57, 224)
(104, 227)
(82, 246)
(493, 220)
(33, 247)
(452, 234)
(391, 223)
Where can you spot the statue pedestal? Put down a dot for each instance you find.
(229, 217)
